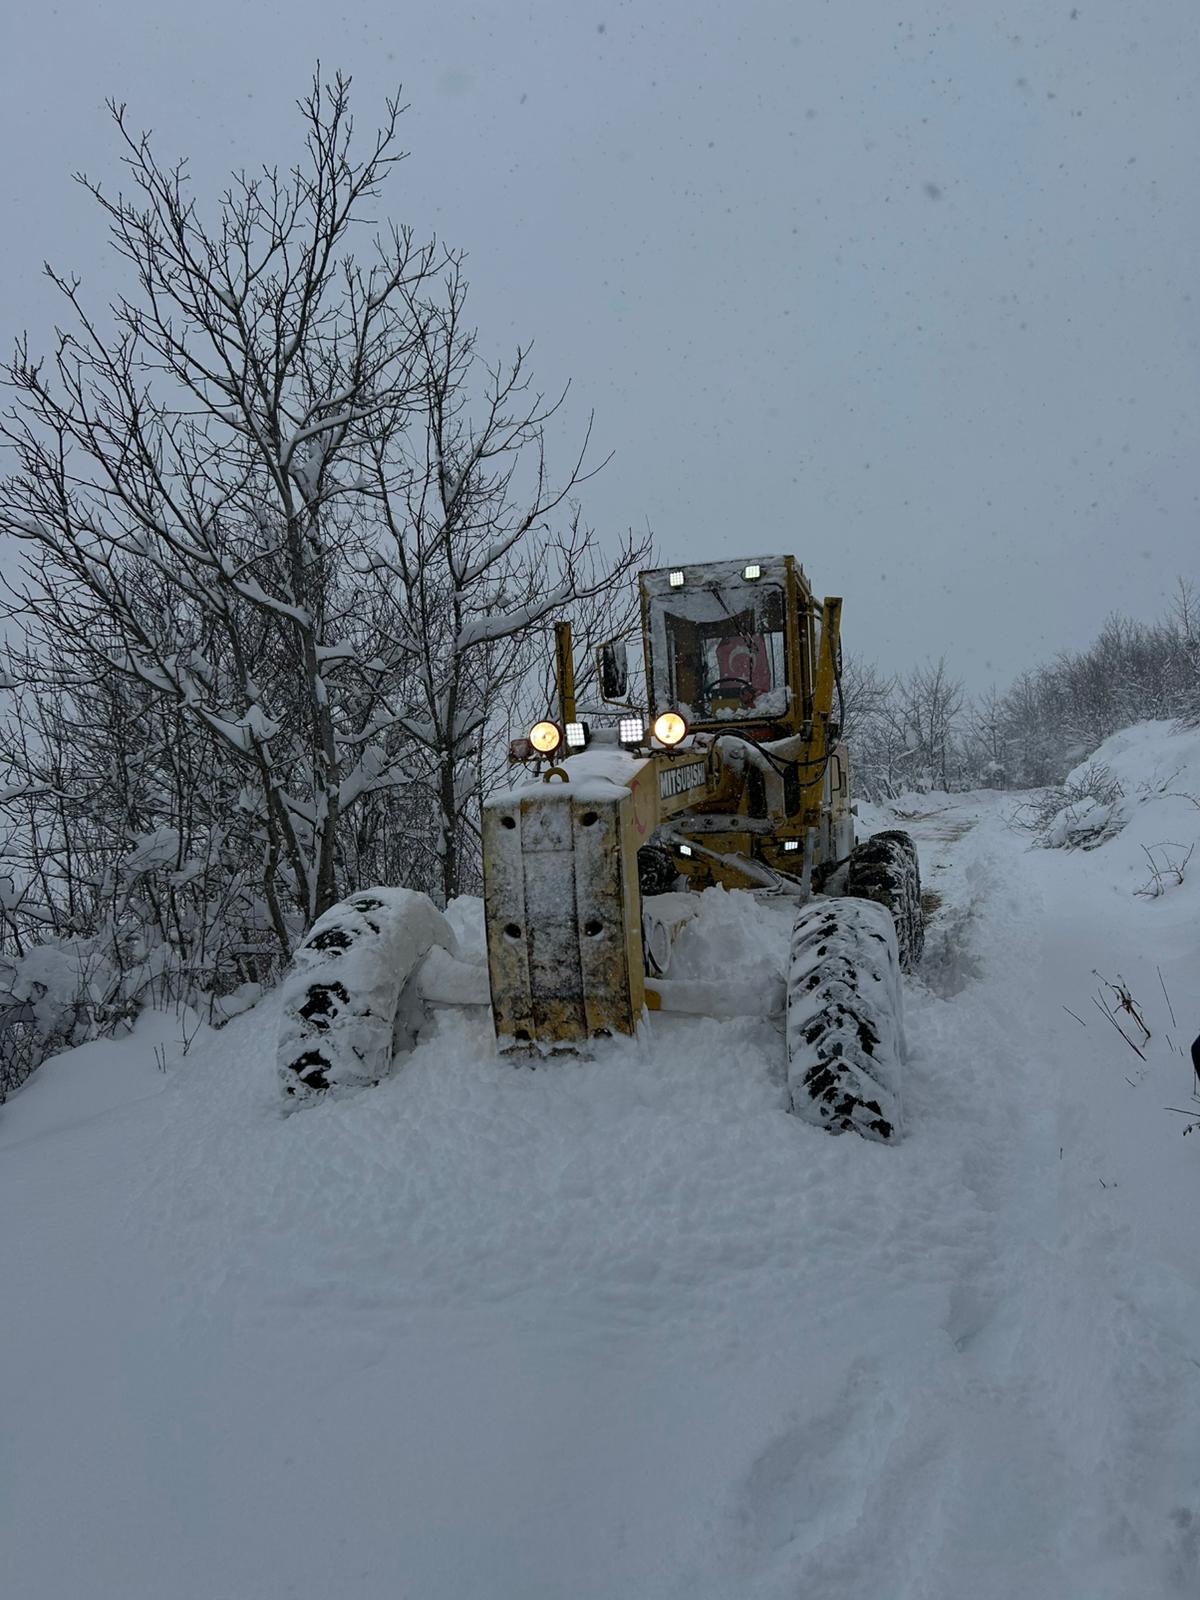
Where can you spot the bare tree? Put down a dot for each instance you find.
(475, 559)
(865, 694)
(278, 493)
(932, 702)
(1184, 622)
(987, 733)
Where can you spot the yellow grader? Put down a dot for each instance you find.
(729, 771)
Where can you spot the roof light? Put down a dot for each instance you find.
(670, 728)
(752, 570)
(631, 730)
(577, 735)
(675, 578)
(545, 737)
(791, 844)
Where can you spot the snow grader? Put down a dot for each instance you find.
(726, 769)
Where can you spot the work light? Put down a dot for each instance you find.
(675, 578)
(545, 737)
(753, 570)
(670, 728)
(577, 735)
(791, 844)
(684, 849)
(631, 730)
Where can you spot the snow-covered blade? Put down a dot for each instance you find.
(560, 887)
(345, 1004)
(845, 1034)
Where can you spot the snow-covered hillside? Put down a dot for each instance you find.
(624, 1328)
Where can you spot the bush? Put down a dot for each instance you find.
(1077, 815)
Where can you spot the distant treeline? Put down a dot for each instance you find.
(922, 731)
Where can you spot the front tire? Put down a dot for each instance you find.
(349, 1001)
(845, 1025)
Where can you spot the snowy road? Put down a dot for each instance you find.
(626, 1329)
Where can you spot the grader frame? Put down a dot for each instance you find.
(755, 796)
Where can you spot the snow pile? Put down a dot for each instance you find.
(1147, 775)
(733, 936)
(45, 978)
(1088, 809)
(52, 995)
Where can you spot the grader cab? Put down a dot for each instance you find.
(726, 769)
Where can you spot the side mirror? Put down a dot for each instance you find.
(612, 669)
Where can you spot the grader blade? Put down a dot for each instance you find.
(563, 915)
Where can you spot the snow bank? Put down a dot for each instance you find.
(1144, 784)
(625, 1327)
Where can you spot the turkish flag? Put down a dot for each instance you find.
(745, 656)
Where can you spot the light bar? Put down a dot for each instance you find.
(675, 578)
(631, 730)
(577, 735)
(752, 571)
(791, 844)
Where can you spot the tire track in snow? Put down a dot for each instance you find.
(958, 1482)
(1066, 1444)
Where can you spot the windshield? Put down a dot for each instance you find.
(718, 652)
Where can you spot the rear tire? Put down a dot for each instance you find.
(349, 1001)
(845, 1031)
(884, 868)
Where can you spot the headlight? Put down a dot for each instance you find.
(545, 737)
(670, 728)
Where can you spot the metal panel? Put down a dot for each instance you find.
(563, 918)
(556, 982)
(608, 915)
(504, 899)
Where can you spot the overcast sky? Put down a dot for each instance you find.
(908, 290)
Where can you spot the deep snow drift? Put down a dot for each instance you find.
(624, 1328)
